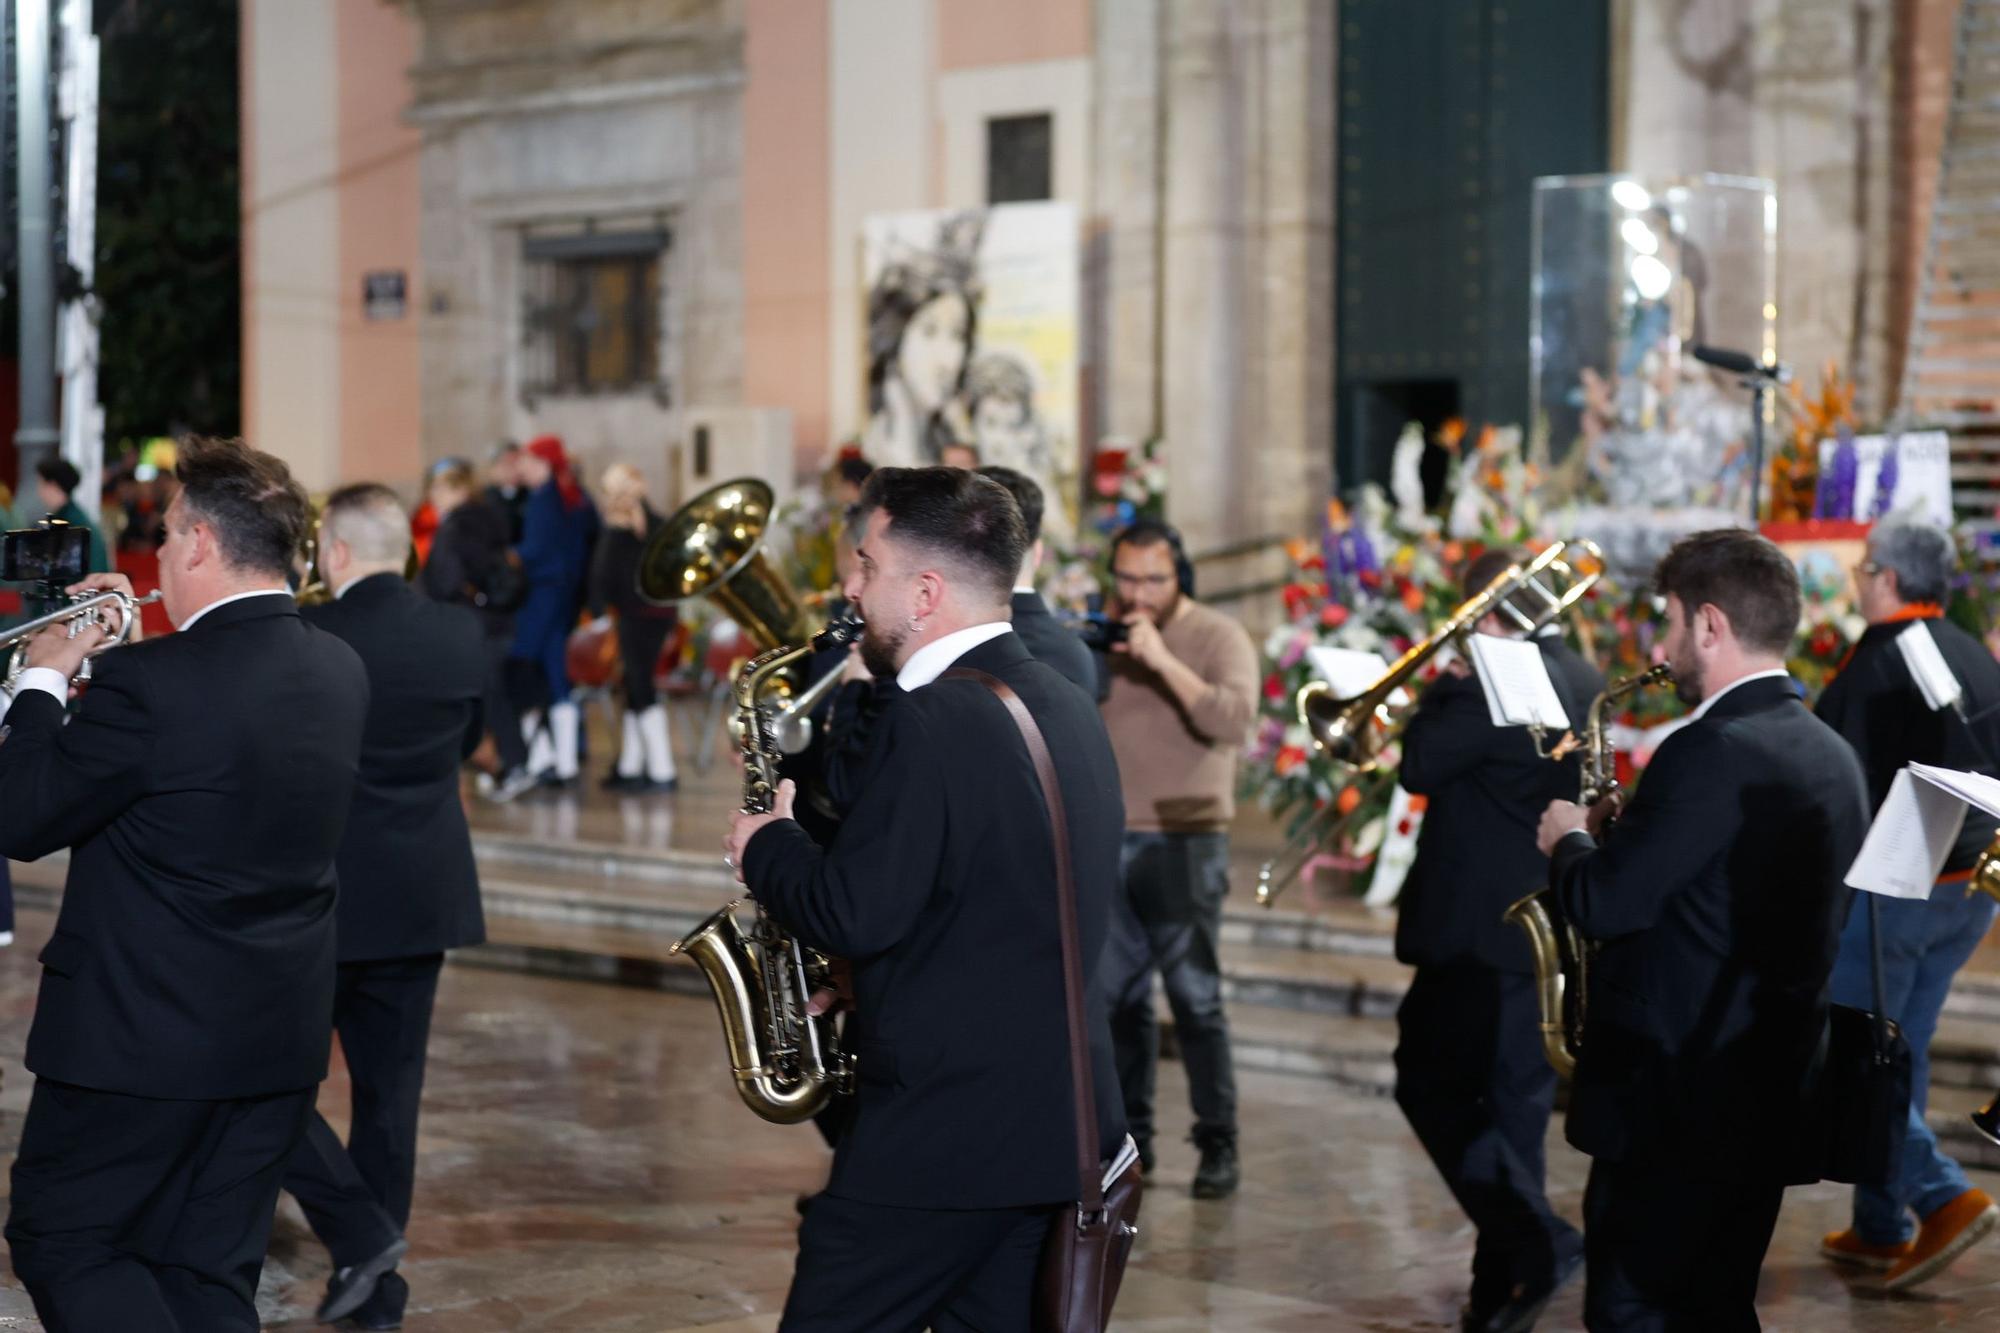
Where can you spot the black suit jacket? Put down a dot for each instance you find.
(202, 788)
(1486, 788)
(940, 888)
(407, 881)
(1875, 704)
(1718, 900)
(1048, 641)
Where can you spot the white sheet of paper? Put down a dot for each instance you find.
(1350, 671)
(1927, 665)
(1973, 788)
(1519, 692)
(1913, 832)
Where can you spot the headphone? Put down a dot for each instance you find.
(1154, 529)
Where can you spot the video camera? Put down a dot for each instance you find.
(54, 555)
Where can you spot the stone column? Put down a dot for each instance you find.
(1122, 268)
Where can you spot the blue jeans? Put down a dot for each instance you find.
(1923, 946)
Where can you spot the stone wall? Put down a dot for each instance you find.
(562, 111)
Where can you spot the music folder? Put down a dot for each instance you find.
(1519, 692)
(1914, 830)
(1927, 666)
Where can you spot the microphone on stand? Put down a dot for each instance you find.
(1739, 363)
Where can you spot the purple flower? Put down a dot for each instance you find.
(1885, 479)
(1836, 497)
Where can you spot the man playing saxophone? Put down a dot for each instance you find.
(939, 889)
(1470, 1075)
(1716, 901)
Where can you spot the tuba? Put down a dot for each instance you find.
(1561, 955)
(1356, 730)
(786, 1063)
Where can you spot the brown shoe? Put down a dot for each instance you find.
(1946, 1234)
(1844, 1247)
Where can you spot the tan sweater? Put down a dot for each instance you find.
(1178, 765)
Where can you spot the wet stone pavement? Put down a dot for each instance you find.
(585, 1167)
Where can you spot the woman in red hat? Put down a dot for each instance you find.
(558, 531)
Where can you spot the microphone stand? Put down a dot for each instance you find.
(1757, 376)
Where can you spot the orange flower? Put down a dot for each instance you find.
(1413, 597)
(1450, 433)
(1349, 798)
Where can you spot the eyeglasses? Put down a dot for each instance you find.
(1868, 567)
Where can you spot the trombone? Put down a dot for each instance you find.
(116, 613)
(1356, 730)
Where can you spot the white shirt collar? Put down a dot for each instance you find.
(1025, 587)
(934, 659)
(189, 623)
(1701, 709)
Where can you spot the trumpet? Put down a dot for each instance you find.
(116, 613)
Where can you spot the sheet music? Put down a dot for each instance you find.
(1928, 667)
(1350, 671)
(1914, 830)
(1519, 692)
(1972, 788)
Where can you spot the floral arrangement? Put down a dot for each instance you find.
(1127, 482)
(1796, 490)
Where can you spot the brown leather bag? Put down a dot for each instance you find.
(1083, 1259)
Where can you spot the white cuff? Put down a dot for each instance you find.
(46, 679)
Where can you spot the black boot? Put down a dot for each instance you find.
(1218, 1174)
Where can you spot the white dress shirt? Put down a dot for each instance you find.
(1701, 709)
(934, 659)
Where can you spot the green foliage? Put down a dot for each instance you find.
(167, 219)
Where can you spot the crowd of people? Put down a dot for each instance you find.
(1003, 823)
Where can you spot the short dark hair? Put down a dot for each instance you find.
(249, 499)
(1744, 576)
(968, 520)
(853, 471)
(59, 473)
(1026, 494)
(1487, 566)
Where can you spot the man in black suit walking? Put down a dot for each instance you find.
(1041, 633)
(408, 891)
(182, 1026)
(1470, 1073)
(1717, 902)
(939, 888)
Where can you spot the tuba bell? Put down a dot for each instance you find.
(1561, 954)
(786, 1063)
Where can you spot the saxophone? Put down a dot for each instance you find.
(786, 1062)
(1561, 955)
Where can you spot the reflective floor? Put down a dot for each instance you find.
(585, 1167)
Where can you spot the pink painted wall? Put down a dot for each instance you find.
(787, 156)
(980, 32)
(380, 411)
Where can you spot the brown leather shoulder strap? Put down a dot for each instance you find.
(1089, 1182)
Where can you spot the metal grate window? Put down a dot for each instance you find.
(592, 312)
(1018, 149)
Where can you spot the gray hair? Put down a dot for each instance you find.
(370, 519)
(1921, 556)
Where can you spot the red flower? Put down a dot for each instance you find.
(1313, 562)
(1371, 578)
(1288, 759)
(1333, 615)
(1274, 687)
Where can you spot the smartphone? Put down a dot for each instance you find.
(56, 554)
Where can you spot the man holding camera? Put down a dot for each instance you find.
(1183, 691)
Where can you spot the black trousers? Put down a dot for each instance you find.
(1667, 1250)
(1168, 919)
(640, 639)
(357, 1196)
(142, 1213)
(868, 1268)
(1473, 1083)
(503, 719)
